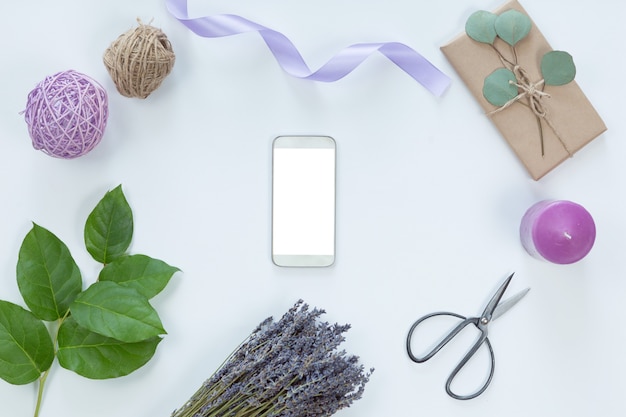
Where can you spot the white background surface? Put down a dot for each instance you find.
(428, 209)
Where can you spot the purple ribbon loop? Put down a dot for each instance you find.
(291, 61)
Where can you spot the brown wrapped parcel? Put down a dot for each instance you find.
(570, 120)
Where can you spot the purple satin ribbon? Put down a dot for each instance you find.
(291, 61)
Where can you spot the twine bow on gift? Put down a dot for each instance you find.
(510, 84)
(534, 94)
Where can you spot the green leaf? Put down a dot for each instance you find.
(26, 349)
(512, 26)
(109, 227)
(499, 87)
(557, 68)
(47, 276)
(112, 310)
(99, 357)
(480, 26)
(147, 275)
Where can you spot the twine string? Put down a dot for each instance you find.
(534, 93)
(139, 60)
(66, 114)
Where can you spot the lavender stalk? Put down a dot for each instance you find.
(289, 368)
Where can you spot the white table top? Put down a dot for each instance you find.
(429, 200)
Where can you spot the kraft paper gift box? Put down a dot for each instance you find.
(570, 120)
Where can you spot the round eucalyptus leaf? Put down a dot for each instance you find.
(26, 349)
(557, 68)
(512, 26)
(480, 26)
(499, 87)
(99, 357)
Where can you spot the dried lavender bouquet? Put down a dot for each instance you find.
(289, 368)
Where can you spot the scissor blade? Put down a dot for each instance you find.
(495, 299)
(506, 305)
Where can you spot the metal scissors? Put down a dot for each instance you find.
(493, 310)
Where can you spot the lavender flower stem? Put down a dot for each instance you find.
(288, 368)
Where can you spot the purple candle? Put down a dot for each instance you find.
(558, 231)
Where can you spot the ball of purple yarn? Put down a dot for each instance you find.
(66, 114)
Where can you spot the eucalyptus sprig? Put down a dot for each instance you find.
(108, 330)
(511, 84)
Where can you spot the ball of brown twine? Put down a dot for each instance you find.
(139, 60)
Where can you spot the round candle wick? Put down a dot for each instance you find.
(567, 235)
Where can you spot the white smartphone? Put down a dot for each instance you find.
(303, 201)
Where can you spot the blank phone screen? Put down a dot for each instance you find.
(303, 209)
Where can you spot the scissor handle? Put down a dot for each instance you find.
(456, 330)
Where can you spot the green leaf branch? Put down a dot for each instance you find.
(511, 84)
(107, 330)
